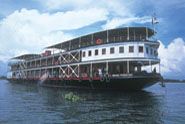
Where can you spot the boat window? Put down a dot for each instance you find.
(121, 49)
(96, 52)
(131, 49)
(140, 49)
(155, 52)
(103, 51)
(151, 51)
(147, 50)
(111, 50)
(84, 54)
(89, 53)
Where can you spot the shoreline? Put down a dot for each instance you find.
(173, 81)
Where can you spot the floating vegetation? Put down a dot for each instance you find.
(72, 97)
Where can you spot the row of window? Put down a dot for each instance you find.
(151, 51)
(112, 50)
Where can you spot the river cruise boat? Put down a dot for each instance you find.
(117, 59)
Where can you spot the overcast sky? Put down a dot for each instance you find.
(27, 26)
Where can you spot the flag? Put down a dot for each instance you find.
(154, 20)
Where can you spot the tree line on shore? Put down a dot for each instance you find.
(174, 80)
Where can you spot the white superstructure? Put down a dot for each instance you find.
(123, 50)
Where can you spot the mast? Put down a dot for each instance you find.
(154, 22)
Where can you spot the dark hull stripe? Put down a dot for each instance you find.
(111, 84)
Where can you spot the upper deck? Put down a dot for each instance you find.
(108, 36)
(27, 56)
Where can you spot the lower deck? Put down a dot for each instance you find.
(119, 75)
(83, 71)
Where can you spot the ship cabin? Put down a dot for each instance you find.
(115, 53)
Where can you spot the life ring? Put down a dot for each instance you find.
(98, 41)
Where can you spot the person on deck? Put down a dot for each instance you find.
(100, 72)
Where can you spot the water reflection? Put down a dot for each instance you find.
(48, 105)
(106, 107)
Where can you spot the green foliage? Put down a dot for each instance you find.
(72, 97)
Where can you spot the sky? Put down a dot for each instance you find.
(27, 26)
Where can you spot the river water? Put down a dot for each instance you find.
(31, 104)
